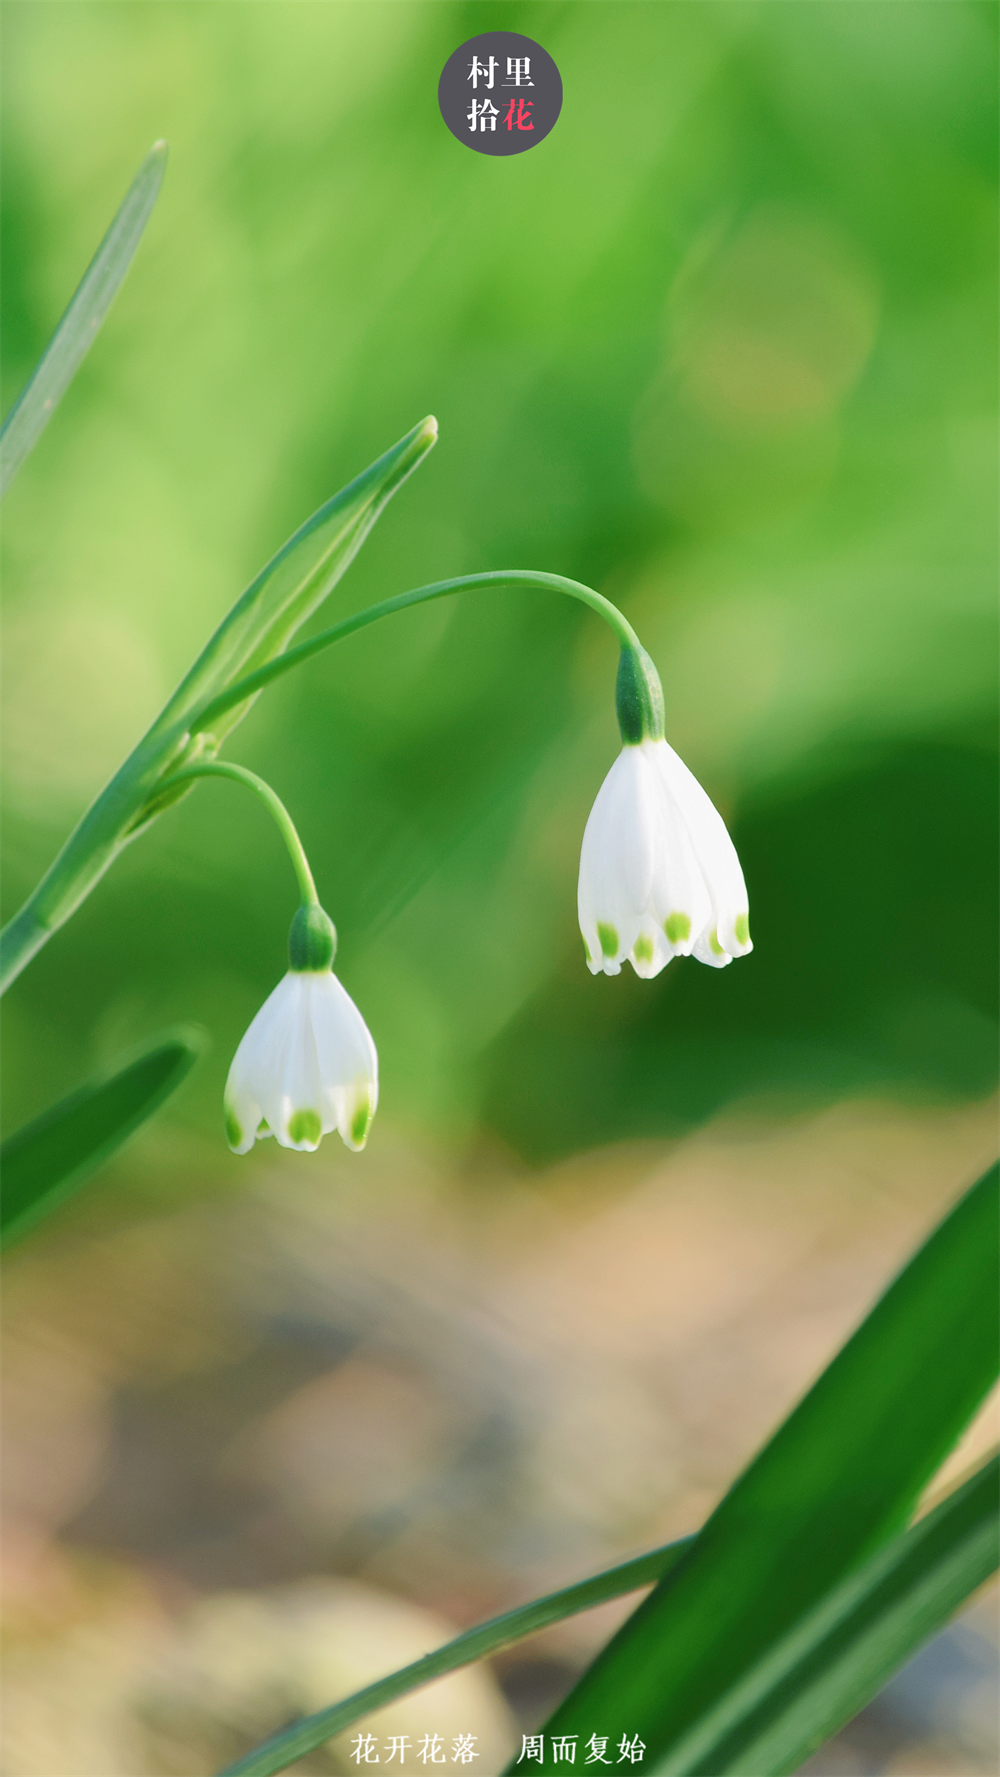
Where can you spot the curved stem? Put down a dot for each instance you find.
(271, 801)
(304, 1736)
(99, 840)
(264, 675)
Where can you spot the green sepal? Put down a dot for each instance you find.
(638, 697)
(312, 940)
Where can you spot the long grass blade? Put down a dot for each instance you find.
(839, 1478)
(843, 1652)
(786, 1546)
(475, 1644)
(78, 328)
(259, 626)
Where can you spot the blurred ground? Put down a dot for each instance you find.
(288, 1434)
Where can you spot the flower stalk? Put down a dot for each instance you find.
(404, 601)
(659, 876)
(275, 604)
(272, 802)
(307, 1064)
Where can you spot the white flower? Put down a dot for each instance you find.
(306, 1065)
(659, 875)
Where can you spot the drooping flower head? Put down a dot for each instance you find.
(307, 1064)
(659, 875)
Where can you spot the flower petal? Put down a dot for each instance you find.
(299, 1109)
(650, 953)
(713, 847)
(348, 1061)
(659, 874)
(244, 1097)
(681, 900)
(616, 863)
(306, 1065)
(708, 949)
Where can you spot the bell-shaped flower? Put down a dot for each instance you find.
(307, 1064)
(659, 875)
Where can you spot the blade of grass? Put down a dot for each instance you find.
(840, 1476)
(841, 1654)
(303, 1736)
(78, 328)
(294, 583)
(259, 626)
(947, 1292)
(43, 1163)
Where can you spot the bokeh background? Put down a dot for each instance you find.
(723, 346)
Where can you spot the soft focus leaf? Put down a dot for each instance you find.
(475, 1644)
(842, 1473)
(839, 1477)
(840, 1655)
(78, 328)
(47, 1159)
(287, 591)
(259, 625)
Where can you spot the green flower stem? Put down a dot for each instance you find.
(303, 1736)
(421, 595)
(271, 801)
(282, 596)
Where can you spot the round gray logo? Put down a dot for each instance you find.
(500, 93)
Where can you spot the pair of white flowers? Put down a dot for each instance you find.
(659, 877)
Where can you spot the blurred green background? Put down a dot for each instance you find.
(723, 346)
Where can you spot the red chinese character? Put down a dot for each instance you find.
(523, 107)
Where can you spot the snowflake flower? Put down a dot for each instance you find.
(307, 1064)
(659, 874)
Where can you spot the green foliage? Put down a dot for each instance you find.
(45, 1162)
(701, 357)
(839, 1477)
(290, 588)
(476, 1644)
(258, 627)
(802, 1593)
(800, 525)
(78, 328)
(841, 1653)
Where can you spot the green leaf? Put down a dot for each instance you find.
(295, 581)
(294, 1742)
(839, 1477)
(43, 1163)
(793, 1586)
(78, 328)
(258, 627)
(838, 1657)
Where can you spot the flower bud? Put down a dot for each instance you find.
(312, 940)
(638, 697)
